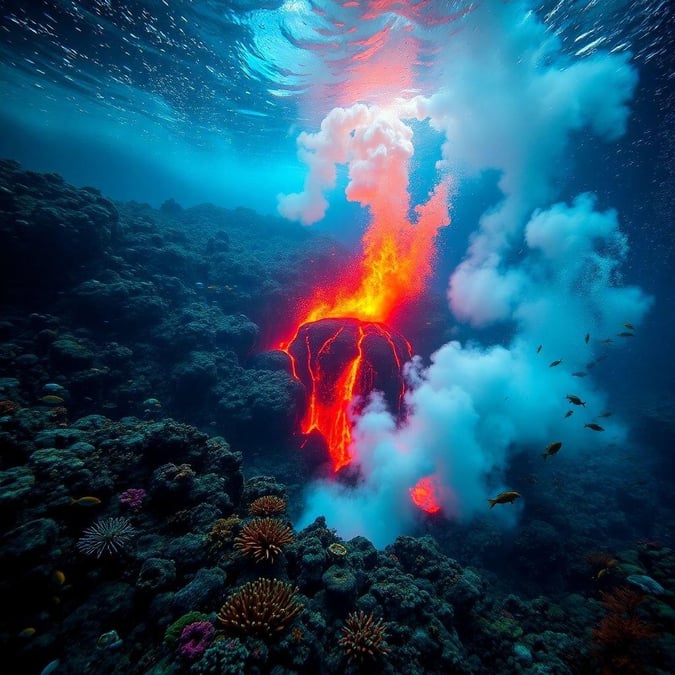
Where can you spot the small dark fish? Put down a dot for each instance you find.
(630, 326)
(587, 338)
(579, 373)
(594, 426)
(625, 334)
(575, 400)
(555, 363)
(606, 341)
(569, 413)
(539, 348)
(606, 414)
(552, 449)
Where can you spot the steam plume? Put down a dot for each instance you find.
(509, 100)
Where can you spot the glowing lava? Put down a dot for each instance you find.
(338, 360)
(397, 261)
(426, 495)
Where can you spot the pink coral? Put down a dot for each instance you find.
(195, 638)
(133, 498)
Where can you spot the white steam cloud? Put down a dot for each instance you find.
(508, 100)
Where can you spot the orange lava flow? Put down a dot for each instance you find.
(338, 373)
(331, 418)
(397, 262)
(425, 495)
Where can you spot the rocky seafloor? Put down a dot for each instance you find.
(137, 414)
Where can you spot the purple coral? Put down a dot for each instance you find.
(133, 498)
(195, 638)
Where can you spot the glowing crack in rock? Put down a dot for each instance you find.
(341, 361)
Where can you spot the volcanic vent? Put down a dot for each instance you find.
(340, 361)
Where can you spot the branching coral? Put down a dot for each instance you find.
(363, 637)
(622, 600)
(261, 608)
(263, 539)
(621, 631)
(267, 505)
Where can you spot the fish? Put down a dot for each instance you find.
(50, 667)
(569, 413)
(628, 325)
(85, 501)
(52, 387)
(27, 632)
(505, 498)
(59, 577)
(626, 334)
(579, 373)
(575, 399)
(539, 348)
(52, 399)
(555, 363)
(606, 414)
(552, 449)
(606, 341)
(587, 338)
(601, 573)
(594, 426)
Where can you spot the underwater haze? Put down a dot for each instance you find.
(336, 337)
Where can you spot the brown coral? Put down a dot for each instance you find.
(262, 608)
(267, 505)
(8, 407)
(263, 538)
(222, 530)
(363, 637)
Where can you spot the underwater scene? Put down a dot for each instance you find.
(337, 337)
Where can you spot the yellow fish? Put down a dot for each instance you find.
(85, 501)
(27, 632)
(59, 577)
(52, 399)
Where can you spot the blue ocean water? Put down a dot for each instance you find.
(540, 137)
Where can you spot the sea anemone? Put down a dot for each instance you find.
(262, 608)
(263, 538)
(267, 505)
(363, 637)
(106, 537)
